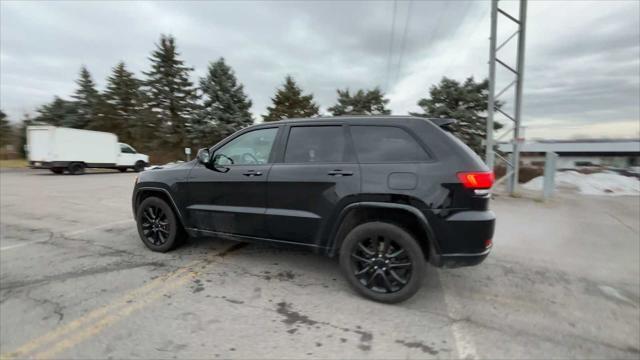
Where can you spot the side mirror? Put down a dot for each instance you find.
(216, 163)
(203, 156)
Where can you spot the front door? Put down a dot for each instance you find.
(127, 156)
(230, 197)
(317, 175)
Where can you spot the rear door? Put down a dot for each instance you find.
(39, 140)
(316, 174)
(232, 199)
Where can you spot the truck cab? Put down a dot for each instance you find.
(129, 157)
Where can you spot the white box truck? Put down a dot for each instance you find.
(63, 149)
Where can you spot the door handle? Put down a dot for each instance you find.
(338, 172)
(252, 173)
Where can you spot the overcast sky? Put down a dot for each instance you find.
(582, 76)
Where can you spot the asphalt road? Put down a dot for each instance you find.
(76, 282)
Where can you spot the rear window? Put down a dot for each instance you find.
(315, 144)
(386, 144)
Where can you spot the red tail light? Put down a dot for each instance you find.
(476, 180)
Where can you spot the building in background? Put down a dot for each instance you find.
(576, 154)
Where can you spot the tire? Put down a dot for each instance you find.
(76, 168)
(139, 166)
(122, 169)
(57, 170)
(378, 277)
(161, 235)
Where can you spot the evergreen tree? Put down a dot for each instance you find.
(290, 103)
(21, 134)
(59, 113)
(87, 100)
(467, 103)
(172, 97)
(225, 106)
(369, 102)
(6, 130)
(124, 99)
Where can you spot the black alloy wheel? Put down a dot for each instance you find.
(382, 261)
(381, 264)
(158, 226)
(155, 225)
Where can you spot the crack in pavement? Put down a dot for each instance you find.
(58, 309)
(100, 245)
(79, 274)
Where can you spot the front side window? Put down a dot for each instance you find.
(126, 149)
(383, 144)
(315, 144)
(252, 148)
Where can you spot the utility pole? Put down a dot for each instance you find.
(518, 108)
(489, 155)
(513, 162)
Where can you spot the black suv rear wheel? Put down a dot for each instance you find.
(158, 226)
(382, 261)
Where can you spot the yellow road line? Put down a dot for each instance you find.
(110, 319)
(96, 314)
(71, 334)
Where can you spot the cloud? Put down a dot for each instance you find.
(582, 65)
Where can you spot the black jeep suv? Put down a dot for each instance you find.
(384, 193)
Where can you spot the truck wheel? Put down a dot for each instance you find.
(382, 262)
(158, 226)
(139, 166)
(57, 170)
(76, 168)
(122, 169)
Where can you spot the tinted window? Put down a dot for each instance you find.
(248, 149)
(386, 144)
(315, 144)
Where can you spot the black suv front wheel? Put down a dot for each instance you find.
(382, 261)
(158, 226)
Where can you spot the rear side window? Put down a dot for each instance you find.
(315, 144)
(375, 144)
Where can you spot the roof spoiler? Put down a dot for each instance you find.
(443, 123)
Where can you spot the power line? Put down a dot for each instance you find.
(393, 31)
(403, 41)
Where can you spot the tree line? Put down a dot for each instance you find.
(166, 112)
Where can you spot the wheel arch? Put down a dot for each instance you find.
(145, 192)
(406, 216)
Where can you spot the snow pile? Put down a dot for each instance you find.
(604, 183)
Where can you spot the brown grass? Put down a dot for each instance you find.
(13, 164)
(526, 173)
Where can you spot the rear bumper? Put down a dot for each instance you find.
(464, 238)
(460, 260)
